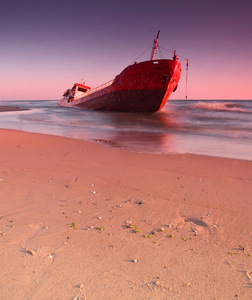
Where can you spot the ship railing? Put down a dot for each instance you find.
(98, 88)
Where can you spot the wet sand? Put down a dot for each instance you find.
(10, 108)
(79, 220)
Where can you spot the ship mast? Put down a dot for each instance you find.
(155, 44)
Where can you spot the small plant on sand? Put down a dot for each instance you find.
(73, 225)
(99, 228)
(187, 284)
(147, 236)
(130, 226)
(233, 253)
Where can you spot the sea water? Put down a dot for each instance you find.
(207, 127)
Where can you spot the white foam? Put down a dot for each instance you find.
(229, 106)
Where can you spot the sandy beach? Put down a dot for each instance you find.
(79, 220)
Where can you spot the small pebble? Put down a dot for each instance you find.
(134, 260)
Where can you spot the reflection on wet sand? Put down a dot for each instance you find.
(137, 132)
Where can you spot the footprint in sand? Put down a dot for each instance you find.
(193, 225)
(197, 222)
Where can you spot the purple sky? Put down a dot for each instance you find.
(47, 45)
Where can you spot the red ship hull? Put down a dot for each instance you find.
(142, 87)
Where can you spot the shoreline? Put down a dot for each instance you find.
(160, 226)
(169, 131)
(107, 143)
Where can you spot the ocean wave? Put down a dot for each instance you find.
(229, 106)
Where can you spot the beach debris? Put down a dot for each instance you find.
(187, 284)
(31, 252)
(139, 203)
(147, 236)
(80, 294)
(170, 236)
(249, 274)
(99, 218)
(119, 206)
(126, 201)
(241, 248)
(233, 253)
(158, 283)
(93, 192)
(100, 228)
(195, 230)
(11, 225)
(73, 225)
(134, 260)
(161, 229)
(2, 233)
(130, 226)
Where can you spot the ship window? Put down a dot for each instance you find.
(155, 62)
(82, 89)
